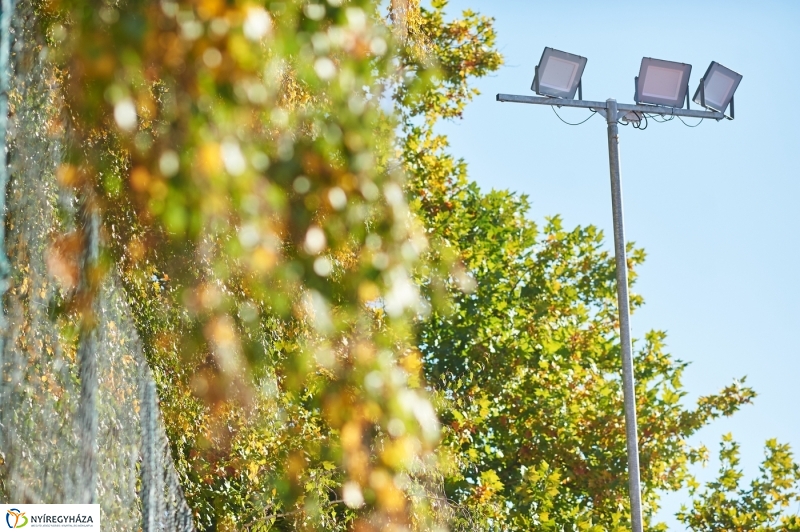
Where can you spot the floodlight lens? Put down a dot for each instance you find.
(662, 82)
(718, 85)
(558, 74)
(718, 88)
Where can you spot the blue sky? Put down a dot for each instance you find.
(715, 207)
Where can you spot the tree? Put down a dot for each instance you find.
(725, 505)
(307, 269)
(239, 159)
(525, 355)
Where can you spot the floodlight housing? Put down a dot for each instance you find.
(662, 82)
(717, 87)
(558, 74)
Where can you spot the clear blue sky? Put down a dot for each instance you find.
(717, 207)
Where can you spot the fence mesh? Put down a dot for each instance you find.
(43, 423)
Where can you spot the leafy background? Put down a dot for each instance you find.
(344, 330)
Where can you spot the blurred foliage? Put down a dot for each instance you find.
(242, 163)
(314, 277)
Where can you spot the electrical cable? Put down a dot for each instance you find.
(570, 123)
(661, 119)
(635, 124)
(642, 125)
(688, 125)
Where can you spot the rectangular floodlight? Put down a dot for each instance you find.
(717, 87)
(662, 82)
(558, 74)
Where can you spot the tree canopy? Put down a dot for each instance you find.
(346, 332)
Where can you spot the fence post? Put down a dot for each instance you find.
(87, 355)
(6, 12)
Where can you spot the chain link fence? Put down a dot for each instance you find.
(63, 429)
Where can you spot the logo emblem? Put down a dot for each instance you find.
(16, 518)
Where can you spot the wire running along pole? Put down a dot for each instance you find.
(613, 112)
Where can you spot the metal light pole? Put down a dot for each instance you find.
(628, 389)
(613, 112)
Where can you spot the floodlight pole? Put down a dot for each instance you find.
(628, 385)
(612, 111)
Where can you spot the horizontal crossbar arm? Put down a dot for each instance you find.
(586, 104)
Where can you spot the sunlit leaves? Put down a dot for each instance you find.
(297, 308)
(240, 152)
(764, 506)
(525, 354)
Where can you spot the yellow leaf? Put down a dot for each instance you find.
(252, 471)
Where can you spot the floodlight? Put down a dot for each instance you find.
(558, 74)
(662, 82)
(717, 87)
